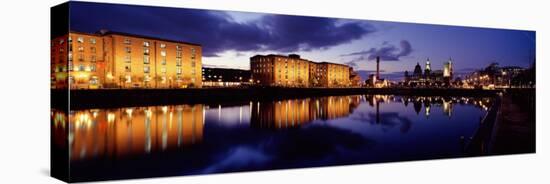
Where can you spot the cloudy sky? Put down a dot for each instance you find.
(230, 38)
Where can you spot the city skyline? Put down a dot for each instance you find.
(178, 91)
(230, 38)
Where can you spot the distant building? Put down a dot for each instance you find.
(354, 78)
(120, 60)
(448, 69)
(374, 80)
(494, 76)
(417, 74)
(223, 77)
(428, 69)
(293, 71)
(429, 77)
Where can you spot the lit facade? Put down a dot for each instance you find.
(293, 71)
(337, 75)
(276, 70)
(120, 60)
(448, 69)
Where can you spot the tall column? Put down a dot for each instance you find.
(377, 67)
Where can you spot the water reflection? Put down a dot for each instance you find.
(128, 131)
(139, 130)
(211, 138)
(295, 112)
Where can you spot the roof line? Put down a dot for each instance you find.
(134, 35)
(278, 55)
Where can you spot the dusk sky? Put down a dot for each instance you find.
(230, 38)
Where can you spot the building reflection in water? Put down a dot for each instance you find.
(133, 131)
(295, 112)
(97, 133)
(446, 103)
(59, 127)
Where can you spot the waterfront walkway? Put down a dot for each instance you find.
(515, 127)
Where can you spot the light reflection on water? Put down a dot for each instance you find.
(266, 135)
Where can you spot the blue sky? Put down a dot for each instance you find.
(229, 38)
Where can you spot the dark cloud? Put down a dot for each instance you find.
(215, 30)
(387, 52)
(292, 33)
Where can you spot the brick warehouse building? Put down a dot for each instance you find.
(293, 71)
(120, 60)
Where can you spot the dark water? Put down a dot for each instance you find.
(318, 131)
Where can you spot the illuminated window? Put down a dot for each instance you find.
(178, 54)
(145, 51)
(178, 70)
(70, 56)
(94, 80)
(61, 41)
(162, 45)
(146, 59)
(128, 78)
(146, 69)
(146, 44)
(178, 47)
(80, 39)
(163, 53)
(163, 61)
(81, 67)
(178, 61)
(92, 67)
(92, 40)
(80, 48)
